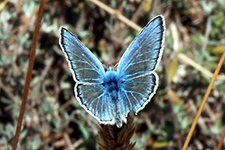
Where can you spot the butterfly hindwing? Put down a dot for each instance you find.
(137, 92)
(95, 98)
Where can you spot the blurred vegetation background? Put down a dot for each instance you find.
(54, 119)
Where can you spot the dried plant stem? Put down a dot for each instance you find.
(29, 74)
(116, 13)
(113, 138)
(221, 141)
(204, 71)
(203, 102)
(3, 4)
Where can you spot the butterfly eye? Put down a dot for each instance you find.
(122, 81)
(103, 84)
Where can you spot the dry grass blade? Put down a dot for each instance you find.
(221, 141)
(114, 12)
(203, 102)
(2, 5)
(113, 138)
(204, 71)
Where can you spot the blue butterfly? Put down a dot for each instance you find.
(110, 95)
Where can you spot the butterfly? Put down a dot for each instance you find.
(110, 95)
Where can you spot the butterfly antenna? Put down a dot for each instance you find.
(105, 67)
(116, 65)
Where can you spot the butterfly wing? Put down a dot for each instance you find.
(136, 93)
(88, 74)
(96, 102)
(84, 66)
(145, 52)
(138, 63)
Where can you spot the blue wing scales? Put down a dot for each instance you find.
(88, 73)
(137, 65)
(85, 67)
(96, 100)
(138, 92)
(145, 52)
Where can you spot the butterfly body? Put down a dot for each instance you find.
(110, 95)
(111, 81)
(113, 86)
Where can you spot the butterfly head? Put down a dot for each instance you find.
(110, 69)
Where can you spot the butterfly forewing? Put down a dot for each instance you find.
(85, 67)
(144, 53)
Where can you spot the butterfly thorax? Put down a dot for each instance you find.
(111, 82)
